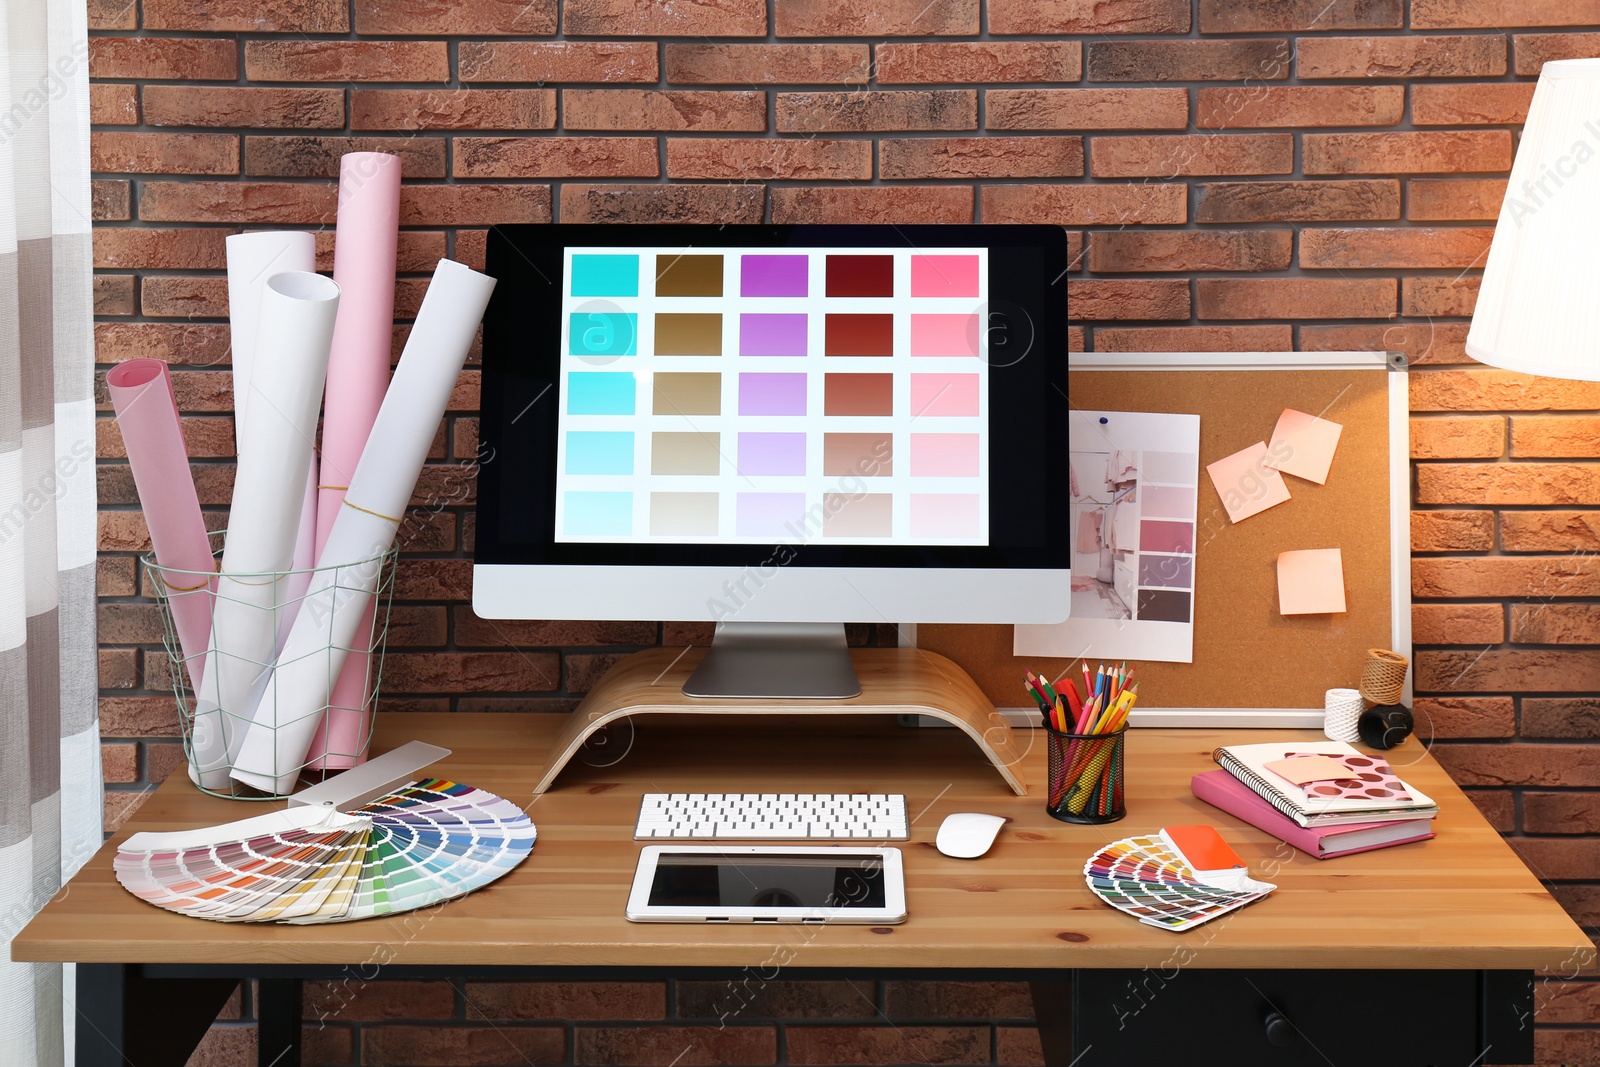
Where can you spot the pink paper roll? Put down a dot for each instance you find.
(141, 393)
(358, 373)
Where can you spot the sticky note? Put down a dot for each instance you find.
(1305, 769)
(1246, 486)
(1310, 582)
(1303, 445)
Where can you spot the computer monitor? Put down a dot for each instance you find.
(778, 429)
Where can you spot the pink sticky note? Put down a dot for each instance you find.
(1308, 769)
(1302, 445)
(1310, 581)
(1246, 486)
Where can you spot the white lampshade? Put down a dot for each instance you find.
(1539, 308)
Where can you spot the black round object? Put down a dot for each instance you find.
(1385, 725)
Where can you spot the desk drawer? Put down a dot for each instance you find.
(1282, 1018)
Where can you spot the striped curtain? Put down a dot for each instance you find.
(50, 802)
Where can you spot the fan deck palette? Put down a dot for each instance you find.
(424, 843)
(1148, 878)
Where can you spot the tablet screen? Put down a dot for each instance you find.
(713, 880)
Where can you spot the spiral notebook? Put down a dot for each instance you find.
(1371, 791)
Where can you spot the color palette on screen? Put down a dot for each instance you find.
(754, 394)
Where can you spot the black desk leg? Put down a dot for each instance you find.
(278, 1022)
(128, 1020)
(1052, 1007)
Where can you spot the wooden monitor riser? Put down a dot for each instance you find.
(894, 681)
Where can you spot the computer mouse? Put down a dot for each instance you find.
(966, 835)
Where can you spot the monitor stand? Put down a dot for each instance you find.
(894, 682)
(776, 661)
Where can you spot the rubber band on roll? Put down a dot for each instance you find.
(1383, 676)
(161, 577)
(369, 511)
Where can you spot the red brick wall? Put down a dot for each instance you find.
(1236, 174)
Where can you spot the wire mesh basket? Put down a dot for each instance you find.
(269, 618)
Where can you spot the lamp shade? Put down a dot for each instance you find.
(1539, 308)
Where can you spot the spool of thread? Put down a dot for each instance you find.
(1341, 712)
(1383, 676)
(1386, 725)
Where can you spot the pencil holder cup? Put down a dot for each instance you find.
(1084, 782)
(245, 631)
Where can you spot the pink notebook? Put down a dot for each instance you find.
(1222, 790)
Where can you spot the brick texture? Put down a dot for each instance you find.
(1234, 175)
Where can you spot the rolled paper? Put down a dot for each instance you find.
(286, 718)
(293, 335)
(358, 373)
(305, 552)
(141, 395)
(252, 259)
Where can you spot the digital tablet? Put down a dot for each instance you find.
(712, 883)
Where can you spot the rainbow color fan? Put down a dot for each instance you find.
(426, 842)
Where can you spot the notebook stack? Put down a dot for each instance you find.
(1326, 799)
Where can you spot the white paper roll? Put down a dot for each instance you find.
(292, 339)
(252, 259)
(290, 708)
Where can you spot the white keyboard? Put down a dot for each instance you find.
(773, 817)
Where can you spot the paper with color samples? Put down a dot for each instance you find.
(1310, 582)
(1303, 445)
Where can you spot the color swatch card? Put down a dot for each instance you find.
(425, 843)
(773, 395)
(1150, 879)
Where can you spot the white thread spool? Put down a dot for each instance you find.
(1341, 710)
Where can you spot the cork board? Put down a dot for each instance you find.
(1247, 655)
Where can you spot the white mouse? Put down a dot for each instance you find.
(966, 835)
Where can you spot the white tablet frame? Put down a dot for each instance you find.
(640, 910)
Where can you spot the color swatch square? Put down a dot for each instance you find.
(679, 334)
(860, 276)
(603, 333)
(685, 453)
(944, 395)
(866, 455)
(781, 454)
(600, 393)
(944, 276)
(1163, 535)
(683, 514)
(772, 394)
(597, 514)
(773, 275)
(599, 452)
(596, 275)
(944, 335)
(857, 515)
(859, 335)
(688, 275)
(687, 394)
(770, 514)
(944, 455)
(768, 334)
(858, 394)
(935, 515)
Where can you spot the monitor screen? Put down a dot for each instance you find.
(747, 395)
(868, 398)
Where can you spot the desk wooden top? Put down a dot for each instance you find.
(1462, 900)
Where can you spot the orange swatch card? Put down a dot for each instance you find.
(1203, 847)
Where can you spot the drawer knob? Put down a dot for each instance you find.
(1280, 1033)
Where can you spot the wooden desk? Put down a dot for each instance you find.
(1455, 927)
